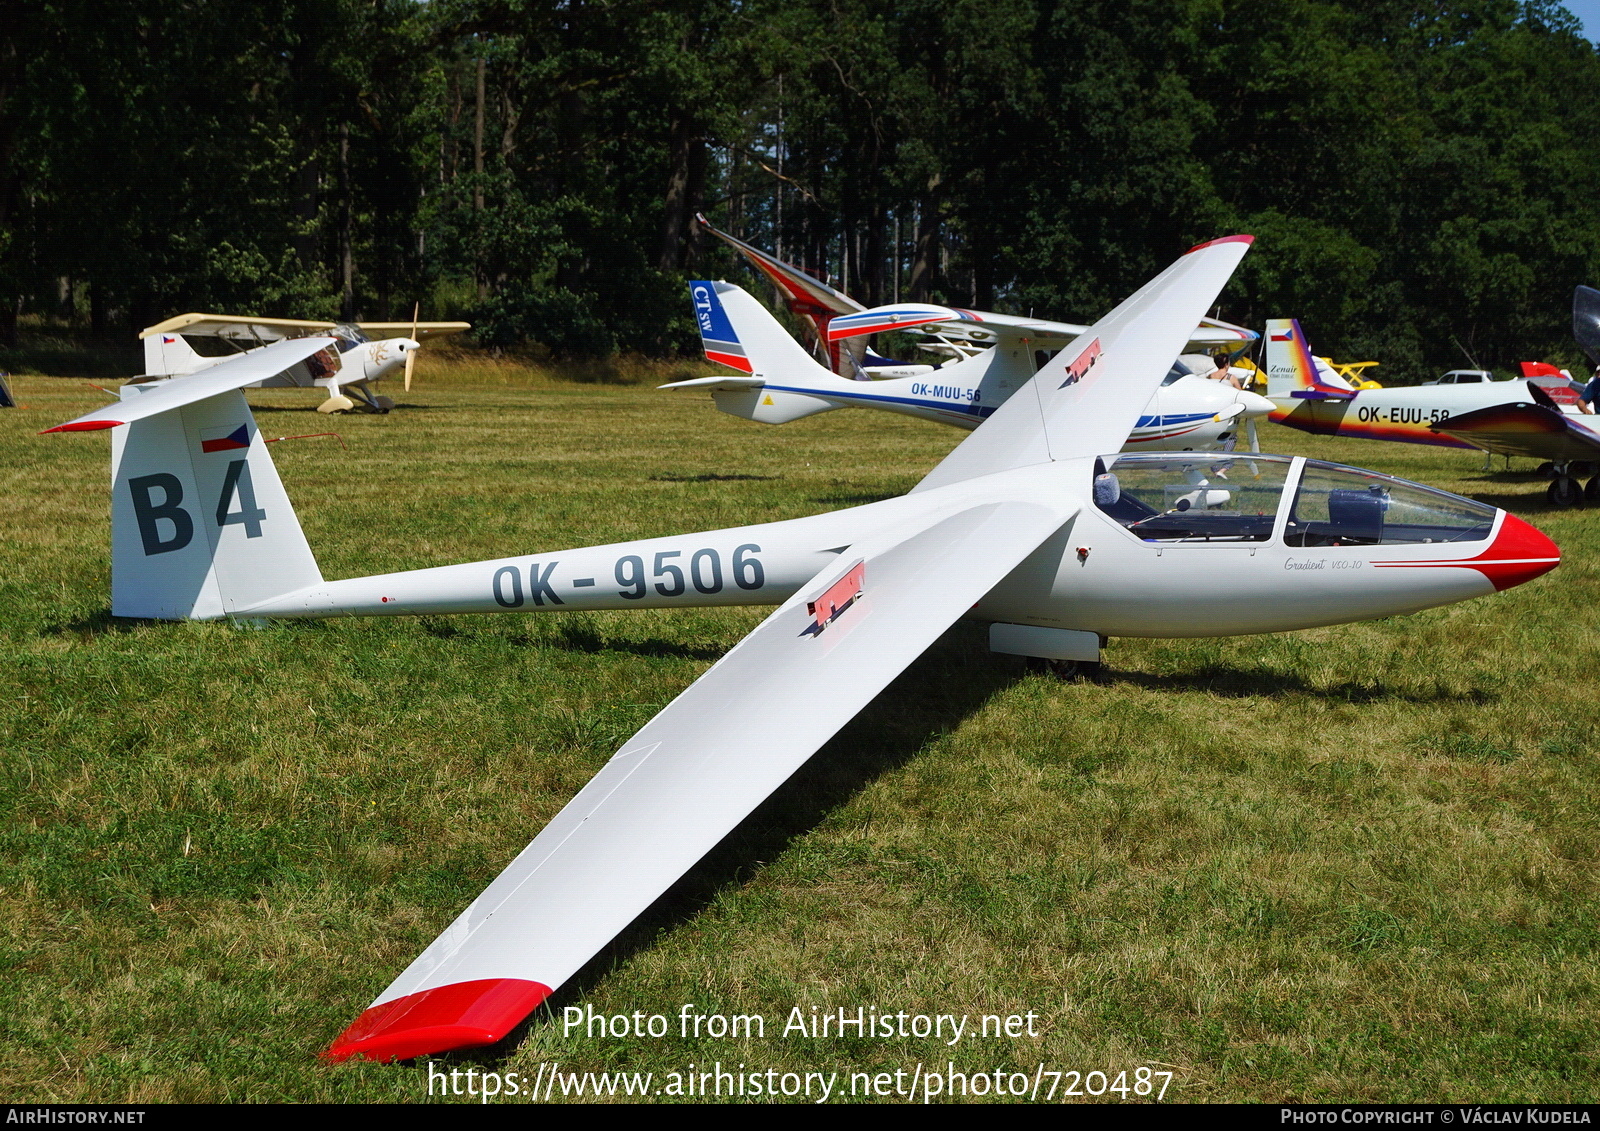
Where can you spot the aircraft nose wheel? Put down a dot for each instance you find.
(1564, 491)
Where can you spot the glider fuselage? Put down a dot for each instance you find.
(1096, 574)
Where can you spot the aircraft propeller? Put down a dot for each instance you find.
(411, 354)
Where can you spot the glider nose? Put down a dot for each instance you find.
(1254, 403)
(1519, 553)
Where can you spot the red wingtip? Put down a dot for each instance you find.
(462, 1015)
(82, 426)
(1519, 553)
(1224, 239)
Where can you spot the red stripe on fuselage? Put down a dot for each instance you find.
(1518, 553)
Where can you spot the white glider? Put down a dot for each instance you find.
(1026, 524)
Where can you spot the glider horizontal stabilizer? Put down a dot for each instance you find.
(235, 373)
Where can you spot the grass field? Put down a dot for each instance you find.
(1352, 864)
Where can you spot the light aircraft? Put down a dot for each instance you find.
(354, 360)
(954, 339)
(1534, 416)
(1027, 524)
(779, 382)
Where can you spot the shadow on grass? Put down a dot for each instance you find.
(311, 407)
(856, 500)
(99, 623)
(1241, 683)
(710, 478)
(953, 679)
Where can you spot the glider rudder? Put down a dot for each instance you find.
(200, 523)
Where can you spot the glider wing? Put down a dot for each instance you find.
(693, 773)
(1087, 399)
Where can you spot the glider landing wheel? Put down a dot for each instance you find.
(1066, 670)
(1564, 491)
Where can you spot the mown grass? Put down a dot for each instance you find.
(1350, 864)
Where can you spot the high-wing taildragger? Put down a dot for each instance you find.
(778, 381)
(1027, 525)
(356, 353)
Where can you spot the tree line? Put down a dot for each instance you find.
(1419, 174)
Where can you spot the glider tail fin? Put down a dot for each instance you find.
(737, 331)
(200, 525)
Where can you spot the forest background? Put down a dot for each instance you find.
(1419, 175)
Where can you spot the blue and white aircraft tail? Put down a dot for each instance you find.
(778, 380)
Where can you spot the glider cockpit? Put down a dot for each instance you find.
(1168, 498)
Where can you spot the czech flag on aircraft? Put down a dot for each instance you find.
(225, 440)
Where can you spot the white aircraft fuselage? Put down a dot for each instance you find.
(1095, 575)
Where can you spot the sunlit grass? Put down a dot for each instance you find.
(1352, 864)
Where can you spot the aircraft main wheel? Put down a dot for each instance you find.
(1564, 491)
(1066, 670)
(337, 403)
(1591, 493)
(384, 403)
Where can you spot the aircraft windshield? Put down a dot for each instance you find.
(1343, 506)
(1178, 498)
(349, 337)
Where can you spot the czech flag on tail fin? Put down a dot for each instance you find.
(225, 439)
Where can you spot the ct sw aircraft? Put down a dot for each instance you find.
(1536, 417)
(345, 368)
(1030, 523)
(778, 381)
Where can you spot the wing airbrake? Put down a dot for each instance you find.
(694, 772)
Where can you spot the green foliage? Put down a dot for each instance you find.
(1419, 176)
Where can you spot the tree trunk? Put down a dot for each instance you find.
(686, 171)
(347, 261)
(925, 258)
